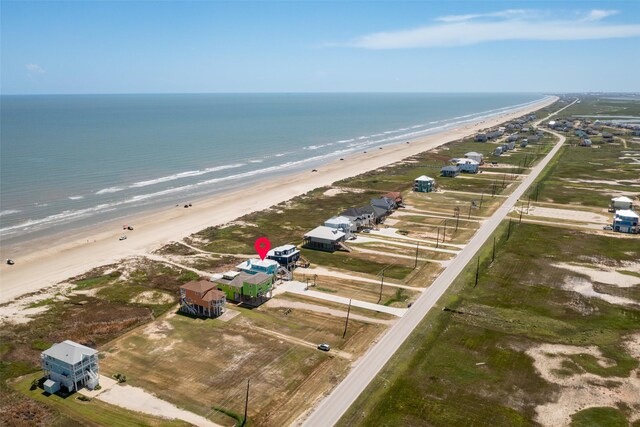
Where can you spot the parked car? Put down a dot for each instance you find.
(324, 347)
(123, 238)
(366, 230)
(607, 227)
(10, 261)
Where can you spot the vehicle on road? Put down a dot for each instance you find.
(324, 347)
(366, 230)
(123, 238)
(10, 261)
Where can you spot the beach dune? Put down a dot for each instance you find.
(45, 262)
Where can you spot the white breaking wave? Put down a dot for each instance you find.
(60, 217)
(109, 190)
(184, 175)
(9, 212)
(76, 197)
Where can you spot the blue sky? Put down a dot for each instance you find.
(318, 46)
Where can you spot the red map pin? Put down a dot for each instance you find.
(262, 246)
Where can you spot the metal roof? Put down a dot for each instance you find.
(626, 213)
(327, 233)
(69, 352)
(424, 178)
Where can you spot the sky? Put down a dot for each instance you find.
(91, 47)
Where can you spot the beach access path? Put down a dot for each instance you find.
(46, 262)
(331, 408)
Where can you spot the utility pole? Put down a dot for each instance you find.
(456, 212)
(477, 272)
(537, 189)
(444, 232)
(246, 405)
(381, 285)
(521, 209)
(416, 263)
(509, 230)
(470, 206)
(481, 197)
(346, 323)
(503, 177)
(528, 204)
(493, 254)
(438, 238)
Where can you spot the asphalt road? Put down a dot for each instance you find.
(332, 407)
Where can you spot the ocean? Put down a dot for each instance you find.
(69, 161)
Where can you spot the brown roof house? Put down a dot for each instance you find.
(395, 196)
(202, 298)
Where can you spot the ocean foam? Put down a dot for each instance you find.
(186, 174)
(75, 197)
(9, 212)
(109, 190)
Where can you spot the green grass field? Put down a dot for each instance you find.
(469, 366)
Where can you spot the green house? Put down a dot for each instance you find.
(250, 289)
(424, 184)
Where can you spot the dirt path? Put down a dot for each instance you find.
(390, 254)
(361, 239)
(298, 341)
(392, 233)
(442, 216)
(322, 271)
(301, 289)
(277, 302)
(166, 261)
(136, 399)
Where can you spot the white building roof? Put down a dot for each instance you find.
(466, 162)
(424, 178)
(338, 220)
(69, 352)
(627, 213)
(327, 233)
(622, 199)
(283, 248)
(265, 263)
(473, 154)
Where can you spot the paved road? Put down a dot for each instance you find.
(329, 410)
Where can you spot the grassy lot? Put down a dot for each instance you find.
(93, 318)
(214, 358)
(364, 291)
(469, 366)
(594, 105)
(587, 176)
(93, 412)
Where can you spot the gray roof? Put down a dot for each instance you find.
(69, 352)
(325, 233)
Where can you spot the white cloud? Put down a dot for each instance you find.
(598, 14)
(509, 13)
(464, 30)
(34, 69)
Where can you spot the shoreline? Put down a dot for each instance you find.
(96, 246)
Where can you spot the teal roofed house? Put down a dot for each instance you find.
(424, 184)
(70, 365)
(253, 266)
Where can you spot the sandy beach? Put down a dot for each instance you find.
(46, 262)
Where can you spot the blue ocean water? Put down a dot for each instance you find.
(74, 160)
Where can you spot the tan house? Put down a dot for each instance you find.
(202, 298)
